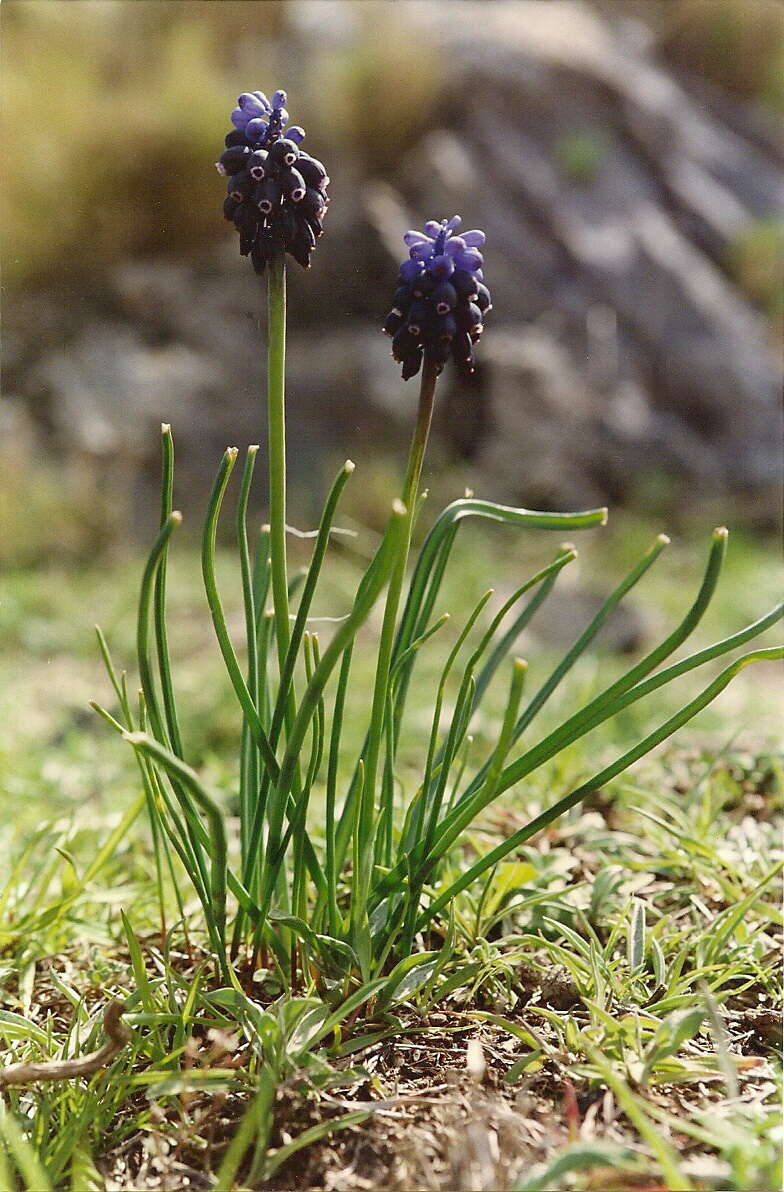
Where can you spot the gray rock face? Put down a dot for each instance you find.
(653, 353)
(612, 193)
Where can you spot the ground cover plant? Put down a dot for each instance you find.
(336, 897)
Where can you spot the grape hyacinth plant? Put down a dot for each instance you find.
(346, 881)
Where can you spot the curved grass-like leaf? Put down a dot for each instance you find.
(143, 624)
(219, 617)
(161, 636)
(249, 780)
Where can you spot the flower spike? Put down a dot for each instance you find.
(276, 192)
(441, 300)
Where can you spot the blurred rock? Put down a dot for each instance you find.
(107, 373)
(611, 198)
(612, 193)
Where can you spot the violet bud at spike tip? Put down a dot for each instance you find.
(441, 300)
(276, 192)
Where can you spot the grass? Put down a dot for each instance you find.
(603, 1010)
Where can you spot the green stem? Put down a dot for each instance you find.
(276, 447)
(276, 438)
(388, 630)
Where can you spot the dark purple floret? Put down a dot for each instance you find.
(276, 192)
(441, 300)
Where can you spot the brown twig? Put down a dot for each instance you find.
(117, 1035)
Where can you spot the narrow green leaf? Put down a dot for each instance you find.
(635, 940)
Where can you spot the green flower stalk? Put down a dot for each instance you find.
(363, 860)
(276, 438)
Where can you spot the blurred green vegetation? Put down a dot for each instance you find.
(52, 510)
(756, 259)
(103, 117)
(580, 154)
(110, 112)
(737, 44)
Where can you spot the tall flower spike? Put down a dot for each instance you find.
(441, 300)
(276, 192)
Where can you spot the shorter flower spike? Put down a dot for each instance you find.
(276, 192)
(441, 300)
